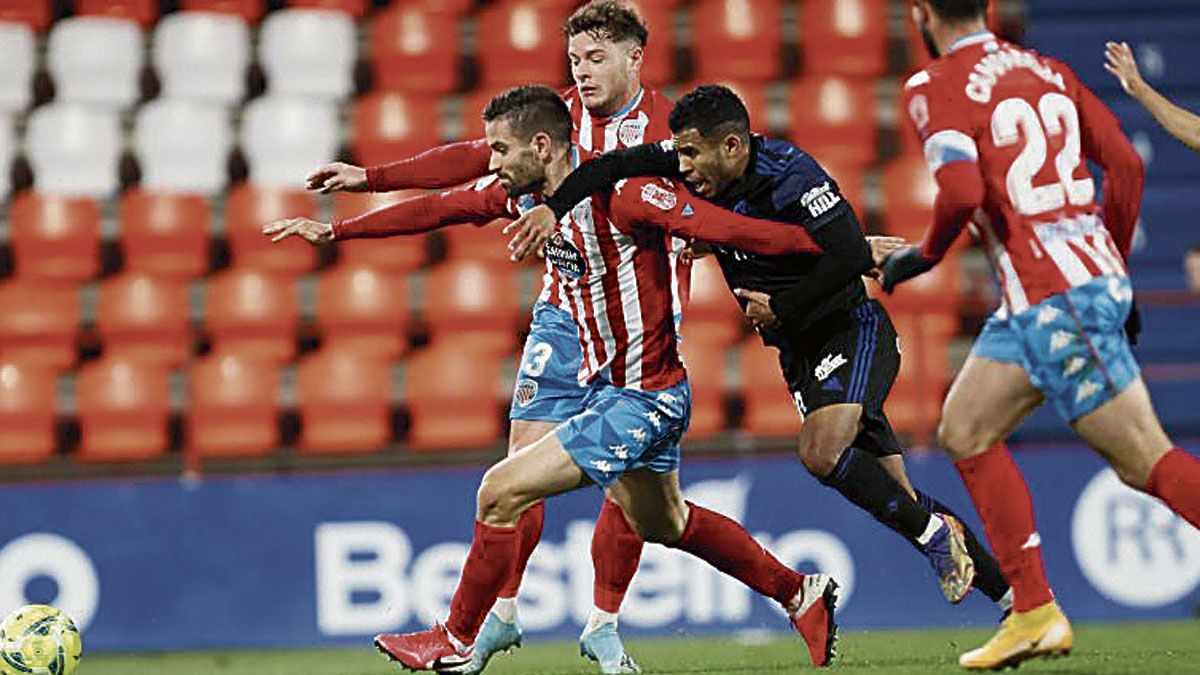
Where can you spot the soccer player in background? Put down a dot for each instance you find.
(1183, 125)
(616, 267)
(838, 350)
(1005, 133)
(610, 108)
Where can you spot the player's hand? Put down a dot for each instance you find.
(696, 250)
(338, 177)
(882, 247)
(533, 230)
(903, 264)
(1118, 60)
(309, 230)
(758, 308)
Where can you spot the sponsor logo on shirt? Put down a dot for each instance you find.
(820, 199)
(828, 364)
(563, 255)
(658, 197)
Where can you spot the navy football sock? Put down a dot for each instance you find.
(862, 479)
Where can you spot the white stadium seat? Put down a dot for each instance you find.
(286, 137)
(183, 146)
(74, 149)
(16, 77)
(8, 150)
(202, 56)
(309, 52)
(96, 60)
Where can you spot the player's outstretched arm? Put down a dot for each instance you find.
(1178, 122)
(441, 167)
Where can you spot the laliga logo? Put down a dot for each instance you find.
(370, 578)
(44, 555)
(1131, 548)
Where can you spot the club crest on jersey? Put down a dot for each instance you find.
(563, 255)
(632, 131)
(658, 197)
(820, 199)
(525, 393)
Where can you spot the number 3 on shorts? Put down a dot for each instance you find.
(539, 355)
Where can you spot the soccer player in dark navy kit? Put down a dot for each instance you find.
(837, 348)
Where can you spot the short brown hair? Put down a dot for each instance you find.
(607, 19)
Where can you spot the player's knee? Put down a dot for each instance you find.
(961, 441)
(665, 532)
(496, 503)
(819, 458)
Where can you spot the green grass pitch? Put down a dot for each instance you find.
(1100, 649)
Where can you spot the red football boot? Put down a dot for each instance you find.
(428, 650)
(813, 619)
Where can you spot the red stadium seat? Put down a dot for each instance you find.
(249, 10)
(844, 37)
(252, 313)
(520, 42)
(355, 8)
(123, 409)
(705, 363)
(834, 118)
(345, 403)
(145, 12)
(712, 314)
(737, 39)
(658, 62)
(33, 13)
(28, 396)
(487, 244)
(908, 194)
(769, 407)
(165, 234)
(363, 310)
(415, 48)
(142, 318)
(939, 289)
(915, 402)
(393, 255)
(452, 399)
(473, 306)
(233, 407)
(247, 209)
(851, 180)
(38, 324)
(389, 126)
(56, 239)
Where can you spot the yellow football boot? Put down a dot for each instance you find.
(1044, 631)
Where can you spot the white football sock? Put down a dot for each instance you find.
(506, 609)
(597, 618)
(931, 528)
(1005, 601)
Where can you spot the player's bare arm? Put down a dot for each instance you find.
(1183, 125)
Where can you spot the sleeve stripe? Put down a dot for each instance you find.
(949, 146)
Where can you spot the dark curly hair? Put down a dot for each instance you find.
(607, 19)
(713, 111)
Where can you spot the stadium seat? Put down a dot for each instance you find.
(8, 150)
(345, 402)
(452, 400)
(1165, 46)
(915, 402)
(16, 77)
(164, 234)
(249, 11)
(28, 400)
(939, 289)
(473, 306)
(705, 363)
(355, 8)
(189, 67)
(247, 209)
(851, 180)
(96, 60)
(144, 12)
(33, 13)
(38, 324)
(252, 313)
(144, 319)
(123, 407)
(769, 407)
(737, 39)
(908, 194)
(712, 315)
(308, 52)
(487, 244)
(1169, 333)
(415, 49)
(1165, 158)
(844, 37)
(74, 149)
(519, 42)
(658, 62)
(55, 239)
(393, 255)
(363, 310)
(834, 117)
(389, 126)
(183, 146)
(285, 138)
(233, 405)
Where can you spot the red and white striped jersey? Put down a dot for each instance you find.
(1028, 123)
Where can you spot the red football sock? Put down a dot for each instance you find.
(616, 552)
(529, 533)
(1006, 509)
(490, 560)
(1175, 479)
(725, 545)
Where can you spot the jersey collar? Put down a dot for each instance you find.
(975, 38)
(633, 103)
